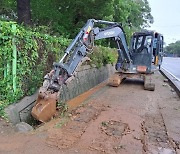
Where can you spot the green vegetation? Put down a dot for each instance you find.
(67, 17)
(103, 55)
(35, 54)
(174, 48)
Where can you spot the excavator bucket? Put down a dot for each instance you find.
(45, 106)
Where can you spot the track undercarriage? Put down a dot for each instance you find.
(117, 78)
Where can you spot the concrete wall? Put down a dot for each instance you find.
(86, 78)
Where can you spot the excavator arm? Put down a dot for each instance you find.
(79, 48)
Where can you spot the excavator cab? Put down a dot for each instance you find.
(147, 49)
(141, 50)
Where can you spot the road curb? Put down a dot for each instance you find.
(173, 80)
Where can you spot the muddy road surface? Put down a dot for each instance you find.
(125, 120)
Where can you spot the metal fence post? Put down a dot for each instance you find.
(14, 63)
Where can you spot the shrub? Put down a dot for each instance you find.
(35, 54)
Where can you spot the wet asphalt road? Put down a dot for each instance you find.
(172, 65)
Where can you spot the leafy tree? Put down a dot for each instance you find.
(174, 48)
(67, 17)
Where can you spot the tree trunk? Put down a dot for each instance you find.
(23, 11)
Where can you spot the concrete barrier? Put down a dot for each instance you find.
(20, 112)
(174, 81)
(86, 78)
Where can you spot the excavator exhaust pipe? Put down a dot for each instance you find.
(45, 106)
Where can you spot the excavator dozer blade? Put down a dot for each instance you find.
(45, 107)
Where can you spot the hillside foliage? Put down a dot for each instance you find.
(65, 18)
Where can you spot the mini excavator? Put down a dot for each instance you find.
(140, 61)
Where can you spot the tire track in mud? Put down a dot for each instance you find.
(155, 136)
(175, 145)
(143, 138)
(110, 133)
(71, 132)
(76, 134)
